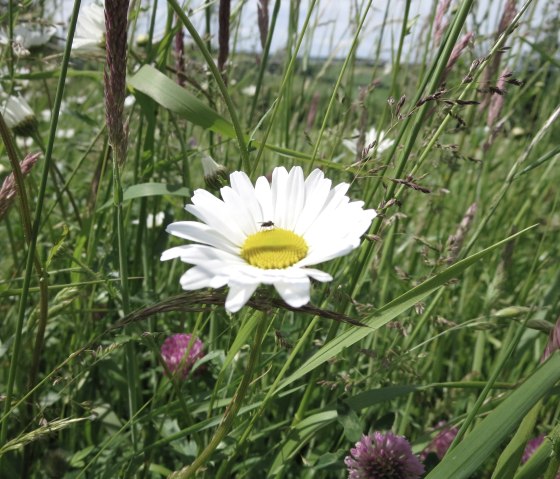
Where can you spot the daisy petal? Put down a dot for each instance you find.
(295, 293)
(197, 278)
(238, 295)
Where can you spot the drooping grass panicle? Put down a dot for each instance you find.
(497, 99)
(116, 20)
(492, 69)
(440, 23)
(455, 241)
(458, 49)
(8, 191)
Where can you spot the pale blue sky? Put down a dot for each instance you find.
(333, 22)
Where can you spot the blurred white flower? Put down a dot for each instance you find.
(249, 90)
(23, 142)
(129, 101)
(45, 115)
(18, 115)
(269, 233)
(152, 221)
(90, 30)
(65, 133)
(371, 136)
(28, 36)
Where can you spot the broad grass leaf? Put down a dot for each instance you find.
(510, 458)
(168, 94)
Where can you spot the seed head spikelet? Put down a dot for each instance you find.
(116, 12)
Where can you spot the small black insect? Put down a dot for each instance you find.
(267, 224)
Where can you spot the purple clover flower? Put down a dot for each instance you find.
(173, 352)
(531, 447)
(383, 456)
(441, 442)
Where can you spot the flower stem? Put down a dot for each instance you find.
(232, 409)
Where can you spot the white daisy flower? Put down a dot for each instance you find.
(90, 30)
(371, 136)
(269, 233)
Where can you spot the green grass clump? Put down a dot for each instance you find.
(455, 286)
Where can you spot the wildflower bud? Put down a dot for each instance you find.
(553, 342)
(215, 175)
(180, 352)
(19, 116)
(8, 190)
(383, 456)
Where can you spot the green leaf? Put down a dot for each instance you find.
(487, 436)
(151, 189)
(389, 312)
(168, 94)
(378, 396)
(299, 435)
(510, 458)
(154, 189)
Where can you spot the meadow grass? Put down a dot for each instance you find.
(438, 321)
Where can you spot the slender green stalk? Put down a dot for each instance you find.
(332, 101)
(232, 409)
(488, 387)
(264, 60)
(218, 78)
(283, 85)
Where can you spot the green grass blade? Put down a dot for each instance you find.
(486, 437)
(389, 312)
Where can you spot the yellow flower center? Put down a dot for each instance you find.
(274, 248)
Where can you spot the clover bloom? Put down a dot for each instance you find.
(180, 352)
(441, 442)
(383, 456)
(269, 233)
